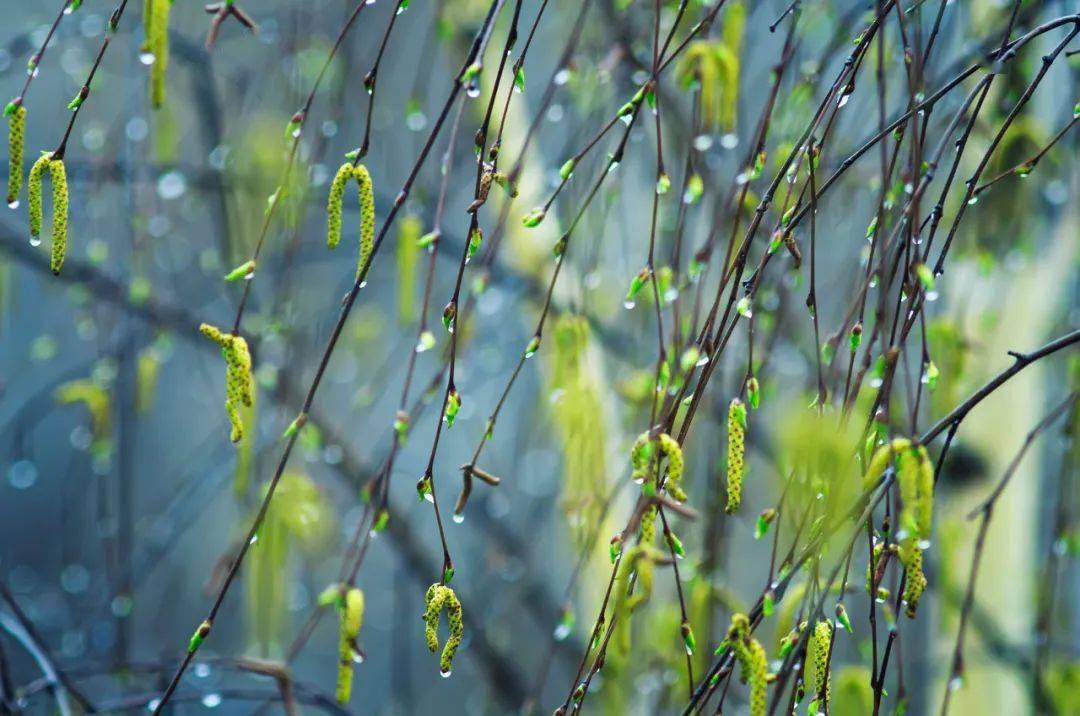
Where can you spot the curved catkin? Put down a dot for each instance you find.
(817, 662)
(673, 451)
(58, 177)
(334, 204)
(640, 458)
(438, 597)
(58, 174)
(239, 380)
(33, 192)
(16, 145)
(352, 617)
(736, 425)
(881, 459)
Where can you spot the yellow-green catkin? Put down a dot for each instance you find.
(753, 661)
(58, 177)
(96, 399)
(334, 203)
(736, 459)
(408, 254)
(673, 451)
(156, 46)
(16, 145)
(439, 597)
(352, 617)
(915, 475)
(636, 572)
(881, 460)
(239, 382)
(817, 663)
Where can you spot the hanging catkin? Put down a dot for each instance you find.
(239, 382)
(16, 144)
(58, 177)
(736, 460)
(334, 206)
(351, 607)
(817, 663)
(439, 597)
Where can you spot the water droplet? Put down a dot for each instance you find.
(357, 656)
(628, 305)
(843, 100)
(729, 141)
(973, 200)
(428, 496)
(296, 132)
(416, 121)
(561, 632)
(35, 241)
(147, 58)
(153, 704)
(211, 701)
(955, 683)
(459, 517)
(473, 90)
(202, 670)
(22, 475)
(13, 204)
(445, 674)
(626, 119)
(562, 77)
(254, 539)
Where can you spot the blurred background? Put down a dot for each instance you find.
(122, 499)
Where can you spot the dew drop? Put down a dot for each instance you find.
(147, 58)
(445, 674)
(35, 241)
(211, 701)
(459, 517)
(843, 100)
(13, 204)
(561, 632)
(628, 305)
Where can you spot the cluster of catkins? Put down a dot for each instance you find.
(439, 597)
(915, 476)
(58, 177)
(239, 381)
(753, 661)
(358, 173)
(643, 458)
